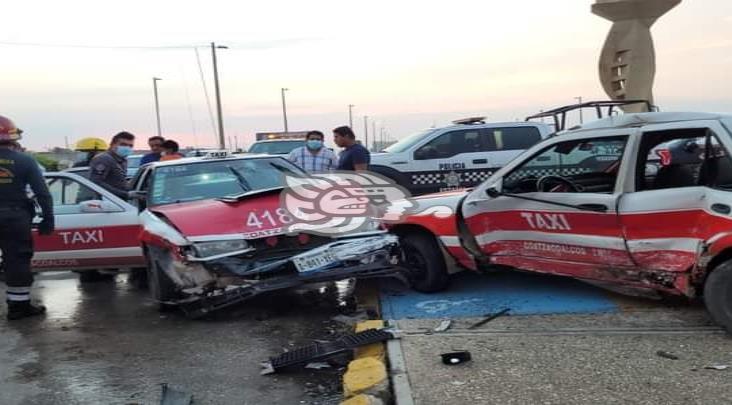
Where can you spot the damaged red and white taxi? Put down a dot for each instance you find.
(214, 234)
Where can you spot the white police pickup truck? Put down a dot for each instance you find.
(458, 156)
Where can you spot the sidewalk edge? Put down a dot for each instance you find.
(400, 385)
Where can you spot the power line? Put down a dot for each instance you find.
(81, 46)
(190, 108)
(205, 91)
(253, 45)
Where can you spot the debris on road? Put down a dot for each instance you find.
(444, 325)
(455, 358)
(351, 320)
(667, 355)
(172, 396)
(318, 365)
(718, 367)
(489, 318)
(320, 351)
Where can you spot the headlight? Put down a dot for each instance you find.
(208, 249)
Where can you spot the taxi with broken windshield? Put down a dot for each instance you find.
(634, 201)
(214, 233)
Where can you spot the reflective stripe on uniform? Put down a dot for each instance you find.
(18, 297)
(18, 290)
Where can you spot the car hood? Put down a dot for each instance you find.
(251, 217)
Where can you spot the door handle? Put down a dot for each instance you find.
(721, 208)
(593, 207)
(399, 163)
(480, 161)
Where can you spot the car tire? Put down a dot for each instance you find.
(422, 256)
(94, 276)
(718, 295)
(161, 287)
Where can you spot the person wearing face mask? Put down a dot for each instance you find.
(314, 157)
(109, 169)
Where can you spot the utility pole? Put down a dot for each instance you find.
(579, 101)
(373, 132)
(157, 103)
(350, 115)
(284, 108)
(222, 141)
(366, 130)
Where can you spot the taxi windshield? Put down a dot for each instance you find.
(216, 179)
(408, 142)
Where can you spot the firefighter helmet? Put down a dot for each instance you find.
(8, 130)
(90, 145)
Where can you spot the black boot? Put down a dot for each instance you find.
(23, 309)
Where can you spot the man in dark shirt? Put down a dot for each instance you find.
(109, 169)
(17, 172)
(354, 156)
(156, 148)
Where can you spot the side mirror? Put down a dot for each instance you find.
(138, 195)
(425, 153)
(97, 206)
(492, 192)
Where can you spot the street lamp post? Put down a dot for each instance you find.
(350, 115)
(366, 130)
(284, 108)
(582, 117)
(373, 132)
(157, 103)
(222, 142)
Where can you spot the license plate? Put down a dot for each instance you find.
(313, 261)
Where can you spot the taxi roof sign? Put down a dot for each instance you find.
(217, 154)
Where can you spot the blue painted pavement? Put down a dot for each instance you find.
(475, 295)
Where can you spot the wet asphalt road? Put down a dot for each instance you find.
(106, 343)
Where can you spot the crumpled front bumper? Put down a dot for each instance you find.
(370, 256)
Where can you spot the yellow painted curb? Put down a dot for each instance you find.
(364, 375)
(376, 350)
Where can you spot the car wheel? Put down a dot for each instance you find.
(138, 277)
(718, 295)
(422, 256)
(160, 285)
(94, 276)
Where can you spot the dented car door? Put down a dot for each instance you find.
(555, 211)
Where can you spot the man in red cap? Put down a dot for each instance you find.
(17, 172)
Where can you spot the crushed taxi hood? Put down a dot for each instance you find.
(252, 217)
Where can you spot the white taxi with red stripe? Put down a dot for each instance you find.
(94, 228)
(636, 200)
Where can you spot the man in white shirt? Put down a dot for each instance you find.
(314, 157)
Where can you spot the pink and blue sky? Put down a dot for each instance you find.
(407, 64)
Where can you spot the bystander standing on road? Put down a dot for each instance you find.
(156, 148)
(18, 171)
(109, 169)
(170, 151)
(314, 157)
(354, 156)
